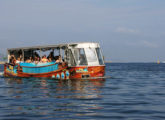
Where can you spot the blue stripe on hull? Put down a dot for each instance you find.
(39, 68)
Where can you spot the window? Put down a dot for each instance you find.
(100, 58)
(71, 58)
(91, 54)
(80, 56)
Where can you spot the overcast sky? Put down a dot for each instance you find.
(127, 30)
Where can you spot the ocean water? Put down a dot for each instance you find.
(135, 91)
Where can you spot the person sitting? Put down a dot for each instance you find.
(51, 55)
(18, 60)
(29, 60)
(36, 54)
(21, 58)
(44, 59)
(11, 58)
(59, 59)
(36, 60)
(49, 60)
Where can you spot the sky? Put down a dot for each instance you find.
(127, 30)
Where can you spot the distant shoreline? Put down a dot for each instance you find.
(131, 62)
(2, 62)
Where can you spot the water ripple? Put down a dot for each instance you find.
(134, 91)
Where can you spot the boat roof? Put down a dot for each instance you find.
(48, 46)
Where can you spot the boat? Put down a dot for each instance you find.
(158, 61)
(78, 61)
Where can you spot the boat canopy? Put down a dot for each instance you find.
(76, 54)
(47, 47)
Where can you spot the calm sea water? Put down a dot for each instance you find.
(135, 91)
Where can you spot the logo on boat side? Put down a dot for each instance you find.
(80, 70)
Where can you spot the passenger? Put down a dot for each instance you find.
(49, 60)
(21, 58)
(29, 60)
(36, 54)
(14, 60)
(51, 55)
(59, 59)
(55, 58)
(11, 57)
(44, 59)
(18, 60)
(36, 60)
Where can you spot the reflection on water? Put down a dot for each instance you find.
(85, 89)
(49, 98)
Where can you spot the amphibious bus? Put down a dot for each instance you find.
(63, 61)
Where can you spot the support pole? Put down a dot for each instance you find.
(60, 52)
(23, 55)
(8, 56)
(40, 53)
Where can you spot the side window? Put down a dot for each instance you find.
(100, 58)
(91, 55)
(80, 56)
